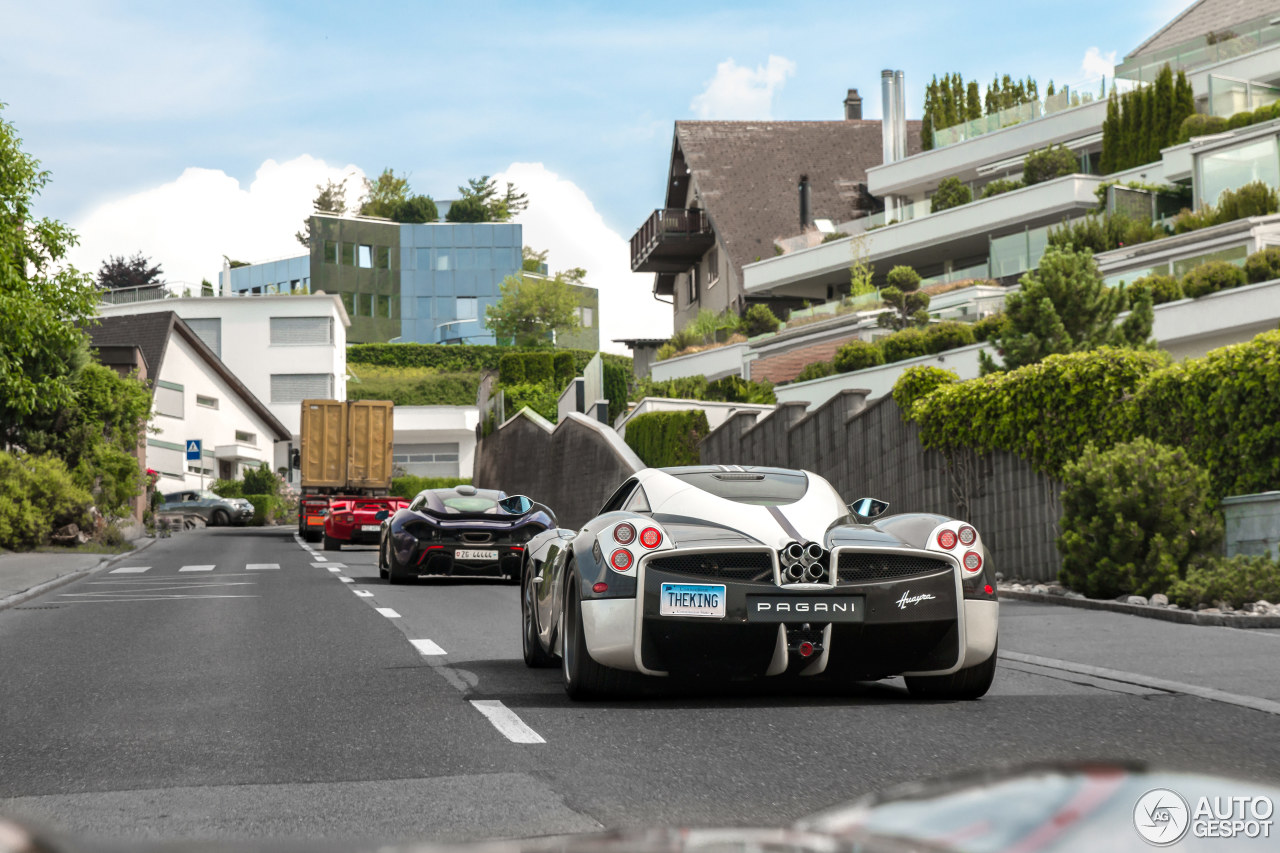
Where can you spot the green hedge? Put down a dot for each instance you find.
(858, 355)
(271, 509)
(457, 358)
(563, 365)
(1263, 265)
(1211, 277)
(414, 388)
(816, 370)
(539, 368)
(37, 496)
(916, 382)
(511, 368)
(729, 389)
(1228, 580)
(543, 399)
(664, 439)
(408, 485)
(616, 387)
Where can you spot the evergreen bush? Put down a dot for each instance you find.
(1001, 185)
(948, 334)
(539, 368)
(37, 496)
(950, 193)
(1049, 163)
(1212, 276)
(667, 439)
(1263, 265)
(408, 486)
(857, 355)
(511, 368)
(1163, 288)
(1234, 581)
(816, 370)
(916, 382)
(759, 320)
(908, 343)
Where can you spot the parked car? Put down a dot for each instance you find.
(726, 571)
(463, 531)
(217, 511)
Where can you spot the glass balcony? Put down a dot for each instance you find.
(903, 213)
(1064, 99)
(1014, 254)
(977, 271)
(1196, 52)
(1228, 95)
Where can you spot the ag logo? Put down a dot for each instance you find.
(1161, 817)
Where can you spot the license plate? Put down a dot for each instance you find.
(809, 608)
(692, 599)
(472, 554)
(371, 528)
(315, 519)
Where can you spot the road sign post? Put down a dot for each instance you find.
(195, 451)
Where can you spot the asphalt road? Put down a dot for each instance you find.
(280, 695)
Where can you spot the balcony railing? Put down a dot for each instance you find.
(671, 240)
(151, 292)
(1227, 44)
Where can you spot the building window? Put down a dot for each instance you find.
(467, 307)
(206, 402)
(713, 267)
(209, 330)
(382, 258)
(442, 260)
(169, 399)
(301, 331)
(367, 301)
(296, 285)
(257, 290)
(584, 315)
(348, 254)
(349, 302)
(364, 257)
(330, 252)
(243, 437)
(693, 285)
(296, 387)
(384, 306)
(1242, 164)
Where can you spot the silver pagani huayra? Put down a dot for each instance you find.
(725, 571)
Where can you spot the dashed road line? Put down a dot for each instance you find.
(197, 568)
(388, 612)
(129, 570)
(363, 593)
(507, 721)
(330, 566)
(346, 579)
(319, 559)
(428, 647)
(334, 569)
(261, 567)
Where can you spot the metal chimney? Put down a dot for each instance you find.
(888, 126)
(852, 105)
(899, 116)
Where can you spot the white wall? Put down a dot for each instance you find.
(426, 425)
(214, 427)
(712, 363)
(879, 380)
(717, 412)
(1189, 328)
(246, 341)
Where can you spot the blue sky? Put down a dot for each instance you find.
(119, 98)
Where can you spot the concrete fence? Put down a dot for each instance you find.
(868, 450)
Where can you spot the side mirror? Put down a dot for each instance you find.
(516, 505)
(868, 507)
(382, 514)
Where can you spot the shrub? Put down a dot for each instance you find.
(909, 343)
(456, 358)
(1049, 163)
(948, 334)
(1224, 410)
(261, 482)
(1001, 185)
(1240, 119)
(665, 439)
(511, 368)
(562, 364)
(1230, 580)
(541, 398)
(1263, 265)
(1266, 112)
(37, 496)
(759, 320)
(916, 382)
(408, 485)
(857, 355)
(990, 326)
(904, 278)
(268, 509)
(951, 193)
(1164, 288)
(1211, 277)
(1133, 517)
(228, 488)
(615, 389)
(729, 389)
(665, 352)
(539, 367)
(1198, 124)
(1255, 198)
(1104, 233)
(413, 386)
(816, 370)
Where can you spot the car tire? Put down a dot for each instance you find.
(584, 679)
(220, 518)
(382, 563)
(331, 544)
(535, 657)
(969, 683)
(393, 576)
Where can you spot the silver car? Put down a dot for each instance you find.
(215, 510)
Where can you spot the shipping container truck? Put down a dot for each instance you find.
(346, 468)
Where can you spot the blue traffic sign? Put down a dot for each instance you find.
(193, 450)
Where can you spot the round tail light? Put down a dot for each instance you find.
(650, 537)
(624, 534)
(621, 559)
(968, 535)
(972, 561)
(947, 539)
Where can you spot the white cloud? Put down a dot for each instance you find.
(738, 92)
(562, 220)
(187, 225)
(1098, 64)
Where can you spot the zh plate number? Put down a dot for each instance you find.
(472, 554)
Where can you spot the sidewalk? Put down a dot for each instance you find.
(1227, 659)
(25, 575)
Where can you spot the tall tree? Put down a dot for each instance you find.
(534, 309)
(1064, 306)
(481, 201)
(117, 272)
(384, 194)
(1110, 134)
(331, 197)
(533, 261)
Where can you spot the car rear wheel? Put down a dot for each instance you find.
(969, 683)
(331, 544)
(535, 656)
(220, 518)
(583, 677)
(382, 561)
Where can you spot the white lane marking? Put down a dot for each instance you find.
(128, 570)
(332, 566)
(505, 720)
(428, 647)
(1266, 705)
(320, 559)
(197, 568)
(261, 567)
(334, 569)
(347, 579)
(388, 612)
(154, 598)
(363, 593)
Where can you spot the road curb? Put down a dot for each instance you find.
(70, 577)
(1182, 617)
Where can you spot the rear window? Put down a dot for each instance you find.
(757, 488)
(470, 504)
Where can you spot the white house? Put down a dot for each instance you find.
(435, 441)
(284, 348)
(195, 398)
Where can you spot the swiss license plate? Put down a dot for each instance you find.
(473, 554)
(371, 528)
(808, 608)
(692, 599)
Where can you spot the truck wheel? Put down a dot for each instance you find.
(331, 544)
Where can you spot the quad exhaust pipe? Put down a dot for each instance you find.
(802, 562)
